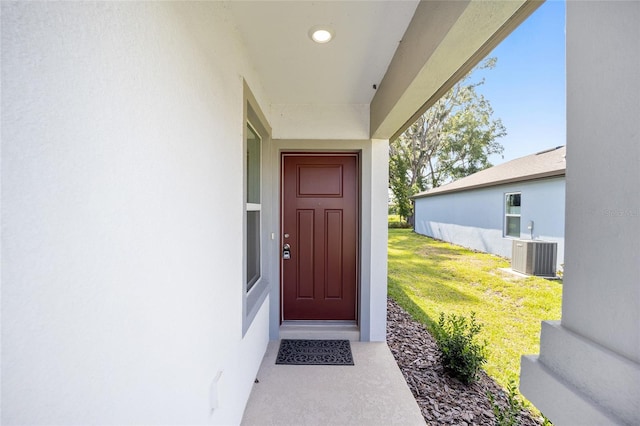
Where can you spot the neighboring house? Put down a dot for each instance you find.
(486, 210)
(158, 156)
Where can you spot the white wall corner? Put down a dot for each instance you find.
(379, 237)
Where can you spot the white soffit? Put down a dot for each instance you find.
(295, 70)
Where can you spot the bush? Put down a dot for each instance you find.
(399, 225)
(509, 415)
(461, 356)
(395, 221)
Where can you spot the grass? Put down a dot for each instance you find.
(427, 277)
(394, 218)
(396, 222)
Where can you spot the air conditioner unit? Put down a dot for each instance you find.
(533, 257)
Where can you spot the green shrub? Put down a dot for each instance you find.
(509, 415)
(399, 225)
(461, 356)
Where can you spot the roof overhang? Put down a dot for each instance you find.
(443, 42)
(389, 61)
(530, 178)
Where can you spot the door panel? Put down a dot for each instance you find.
(333, 255)
(304, 258)
(320, 224)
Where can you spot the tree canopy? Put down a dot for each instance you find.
(452, 139)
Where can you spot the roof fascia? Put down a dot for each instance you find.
(443, 42)
(539, 176)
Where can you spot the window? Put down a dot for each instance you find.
(256, 268)
(253, 206)
(512, 215)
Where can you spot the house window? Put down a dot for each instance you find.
(512, 215)
(253, 206)
(256, 209)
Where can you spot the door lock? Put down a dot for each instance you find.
(286, 252)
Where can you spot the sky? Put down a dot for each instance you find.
(526, 89)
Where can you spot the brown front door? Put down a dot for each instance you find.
(320, 226)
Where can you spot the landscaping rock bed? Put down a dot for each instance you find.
(442, 399)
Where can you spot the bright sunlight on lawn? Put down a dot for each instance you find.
(427, 277)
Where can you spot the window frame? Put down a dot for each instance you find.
(507, 215)
(254, 294)
(250, 282)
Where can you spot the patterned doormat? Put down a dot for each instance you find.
(314, 352)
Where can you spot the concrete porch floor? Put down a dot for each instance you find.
(371, 392)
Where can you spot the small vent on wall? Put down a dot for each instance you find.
(534, 257)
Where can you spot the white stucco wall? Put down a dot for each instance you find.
(475, 218)
(122, 214)
(588, 370)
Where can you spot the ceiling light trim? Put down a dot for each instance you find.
(321, 34)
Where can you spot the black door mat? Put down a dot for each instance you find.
(314, 352)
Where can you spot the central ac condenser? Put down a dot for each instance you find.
(533, 257)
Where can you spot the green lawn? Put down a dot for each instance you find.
(427, 277)
(394, 218)
(396, 222)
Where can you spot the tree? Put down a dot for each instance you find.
(398, 172)
(452, 139)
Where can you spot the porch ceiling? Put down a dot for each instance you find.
(413, 51)
(296, 70)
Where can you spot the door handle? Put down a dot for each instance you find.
(286, 252)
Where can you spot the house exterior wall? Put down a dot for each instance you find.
(122, 215)
(122, 218)
(588, 370)
(475, 218)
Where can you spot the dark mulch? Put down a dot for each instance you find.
(442, 399)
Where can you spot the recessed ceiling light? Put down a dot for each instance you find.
(321, 34)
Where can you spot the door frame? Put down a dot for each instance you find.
(320, 153)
